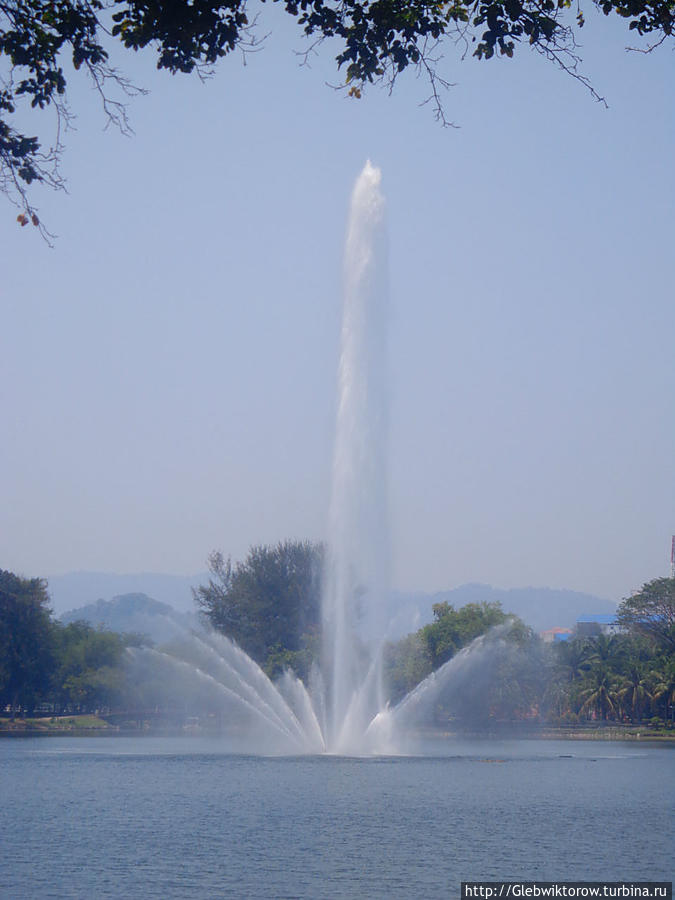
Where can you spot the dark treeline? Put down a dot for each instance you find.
(63, 668)
(270, 604)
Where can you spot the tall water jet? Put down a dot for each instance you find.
(358, 535)
(341, 708)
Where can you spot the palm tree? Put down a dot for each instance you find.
(608, 650)
(664, 689)
(634, 692)
(600, 696)
(556, 700)
(574, 658)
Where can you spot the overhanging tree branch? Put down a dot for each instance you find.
(377, 41)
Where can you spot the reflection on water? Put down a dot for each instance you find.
(182, 818)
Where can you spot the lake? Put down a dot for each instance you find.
(183, 818)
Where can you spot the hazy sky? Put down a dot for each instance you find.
(168, 370)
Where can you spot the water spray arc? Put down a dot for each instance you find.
(342, 707)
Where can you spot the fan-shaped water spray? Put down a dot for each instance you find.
(342, 709)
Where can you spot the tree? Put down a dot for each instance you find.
(406, 663)
(573, 658)
(510, 682)
(44, 661)
(269, 603)
(87, 672)
(376, 40)
(25, 641)
(519, 689)
(651, 613)
(455, 628)
(635, 692)
(600, 695)
(664, 689)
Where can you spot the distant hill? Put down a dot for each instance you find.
(83, 588)
(540, 608)
(136, 613)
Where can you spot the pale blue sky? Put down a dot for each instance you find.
(168, 370)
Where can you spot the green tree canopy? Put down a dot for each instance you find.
(599, 696)
(87, 672)
(269, 603)
(25, 640)
(664, 689)
(406, 663)
(573, 658)
(75, 667)
(453, 628)
(651, 612)
(509, 685)
(375, 40)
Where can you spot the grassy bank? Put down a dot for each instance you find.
(587, 732)
(88, 725)
(54, 725)
(608, 733)
(591, 731)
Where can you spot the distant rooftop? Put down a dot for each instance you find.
(555, 635)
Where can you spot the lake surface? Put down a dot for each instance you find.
(182, 818)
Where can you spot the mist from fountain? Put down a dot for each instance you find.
(200, 673)
(342, 709)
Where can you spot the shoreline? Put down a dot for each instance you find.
(93, 726)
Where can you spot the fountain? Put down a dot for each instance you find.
(342, 709)
(358, 540)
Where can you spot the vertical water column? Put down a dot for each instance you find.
(358, 541)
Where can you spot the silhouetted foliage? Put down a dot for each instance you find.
(26, 653)
(72, 667)
(376, 40)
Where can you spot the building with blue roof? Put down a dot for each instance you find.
(595, 625)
